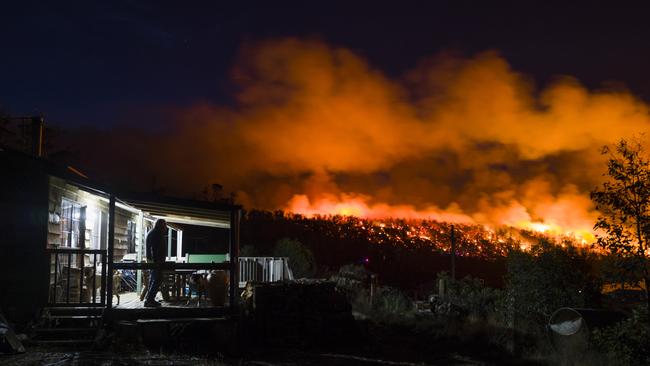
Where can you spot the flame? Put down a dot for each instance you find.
(359, 206)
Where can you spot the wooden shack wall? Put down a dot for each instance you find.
(23, 234)
(122, 217)
(60, 189)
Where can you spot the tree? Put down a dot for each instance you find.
(546, 278)
(623, 226)
(248, 251)
(301, 259)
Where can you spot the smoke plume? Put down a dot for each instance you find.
(316, 129)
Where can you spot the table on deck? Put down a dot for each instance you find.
(175, 283)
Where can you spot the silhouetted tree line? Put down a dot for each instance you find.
(404, 254)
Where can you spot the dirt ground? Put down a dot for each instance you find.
(58, 357)
(372, 344)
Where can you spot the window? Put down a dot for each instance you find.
(130, 236)
(70, 223)
(97, 225)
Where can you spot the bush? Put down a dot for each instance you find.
(248, 251)
(387, 302)
(301, 259)
(628, 342)
(469, 296)
(545, 279)
(352, 278)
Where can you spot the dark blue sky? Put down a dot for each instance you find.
(101, 63)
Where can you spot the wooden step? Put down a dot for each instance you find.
(54, 336)
(91, 317)
(64, 330)
(72, 307)
(72, 310)
(64, 342)
(117, 314)
(72, 321)
(181, 320)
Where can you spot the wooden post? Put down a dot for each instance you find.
(453, 254)
(139, 249)
(169, 241)
(235, 216)
(111, 245)
(81, 258)
(56, 272)
(102, 293)
(179, 245)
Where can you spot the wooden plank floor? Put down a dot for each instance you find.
(132, 309)
(131, 300)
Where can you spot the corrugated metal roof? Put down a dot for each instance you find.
(183, 214)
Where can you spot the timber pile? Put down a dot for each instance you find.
(301, 313)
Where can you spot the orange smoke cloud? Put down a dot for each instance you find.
(316, 129)
(357, 205)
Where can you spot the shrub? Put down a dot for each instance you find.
(389, 302)
(469, 296)
(248, 251)
(543, 280)
(353, 279)
(301, 259)
(628, 342)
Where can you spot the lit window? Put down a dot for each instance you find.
(70, 223)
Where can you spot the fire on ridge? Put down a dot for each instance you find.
(357, 207)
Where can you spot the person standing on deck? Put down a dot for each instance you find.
(156, 247)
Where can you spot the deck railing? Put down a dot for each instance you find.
(182, 271)
(74, 277)
(263, 269)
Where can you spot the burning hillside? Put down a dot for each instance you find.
(315, 129)
(419, 235)
(402, 251)
(516, 216)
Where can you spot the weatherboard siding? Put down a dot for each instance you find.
(59, 189)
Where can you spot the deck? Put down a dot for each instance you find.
(131, 300)
(131, 308)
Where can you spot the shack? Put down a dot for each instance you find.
(70, 245)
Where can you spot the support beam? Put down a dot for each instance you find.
(179, 245)
(235, 217)
(169, 241)
(110, 254)
(139, 248)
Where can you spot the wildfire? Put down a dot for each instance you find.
(358, 206)
(420, 235)
(584, 236)
(316, 129)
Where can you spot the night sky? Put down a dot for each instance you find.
(107, 63)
